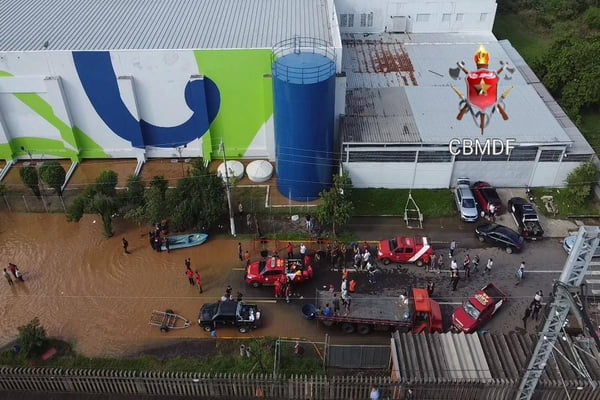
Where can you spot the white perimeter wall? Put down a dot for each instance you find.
(444, 175)
(417, 16)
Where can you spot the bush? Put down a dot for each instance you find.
(32, 338)
(592, 17)
(581, 181)
(54, 175)
(29, 176)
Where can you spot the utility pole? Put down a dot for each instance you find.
(228, 189)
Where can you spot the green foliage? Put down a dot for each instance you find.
(106, 206)
(53, 174)
(154, 207)
(161, 183)
(198, 200)
(135, 191)
(100, 198)
(592, 18)
(106, 183)
(336, 203)
(29, 176)
(568, 70)
(581, 181)
(32, 338)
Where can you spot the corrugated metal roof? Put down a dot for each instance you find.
(379, 116)
(479, 358)
(376, 63)
(165, 24)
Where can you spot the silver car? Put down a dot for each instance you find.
(465, 201)
(569, 242)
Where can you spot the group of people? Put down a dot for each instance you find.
(534, 308)
(14, 270)
(229, 294)
(193, 276)
(156, 240)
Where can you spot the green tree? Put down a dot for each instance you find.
(100, 198)
(568, 72)
(161, 183)
(29, 176)
(135, 191)
(336, 203)
(154, 207)
(198, 200)
(54, 175)
(106, 183)
(32, 338)
(581, 181)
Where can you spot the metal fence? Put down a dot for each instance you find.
(199, 385)
(358, 356)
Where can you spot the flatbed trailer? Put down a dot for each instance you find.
(372, 312)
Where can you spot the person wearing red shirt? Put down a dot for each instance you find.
(190, 274)
(290, 250)
(198, 281)
(307, 261)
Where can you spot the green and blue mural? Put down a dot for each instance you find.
(100, 104)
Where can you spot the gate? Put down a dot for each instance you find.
(358, 356)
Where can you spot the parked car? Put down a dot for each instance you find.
(486, 194)
(465, 201)
(262, 273)
(569, 242)
(405, 250)
(526, 218)
(229, 313)
(479, 309)
(500, 236)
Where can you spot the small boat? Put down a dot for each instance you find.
(183, 241)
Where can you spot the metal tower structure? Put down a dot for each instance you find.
(569, 282)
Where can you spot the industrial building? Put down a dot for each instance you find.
(271, 79)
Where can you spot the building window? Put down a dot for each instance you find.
(550, 155)
(471, 157)
(500, 157)
(363, 20)
(423, 17)
(482, 17)
(446, 17)
(343, 20)
(382, 156)
(350, 20)
(434, 156)
(523, 154)
(370, 19)
(577, 157)
(459, 17)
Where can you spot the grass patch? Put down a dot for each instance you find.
(519, 30)
(227, 360)
(566, 208)
(253, 200)
(433, 203)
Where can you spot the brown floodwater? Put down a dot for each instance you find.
(85, 290)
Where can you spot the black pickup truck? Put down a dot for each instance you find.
(526, 218)
(229, 313)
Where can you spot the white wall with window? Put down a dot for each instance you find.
(415, 16)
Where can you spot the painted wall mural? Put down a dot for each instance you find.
(98, 104)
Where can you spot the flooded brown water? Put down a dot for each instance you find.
(86, 290)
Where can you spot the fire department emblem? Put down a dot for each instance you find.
(482, 100)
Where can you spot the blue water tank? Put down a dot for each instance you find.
(304, 102)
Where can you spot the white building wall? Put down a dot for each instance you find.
(399, 175)
(415, 16)
(443, 175)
